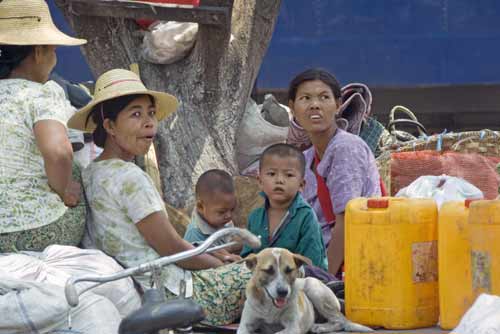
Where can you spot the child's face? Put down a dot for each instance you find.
(217, 208)
(280, 178)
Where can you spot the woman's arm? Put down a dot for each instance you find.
(162, 236)
(347, 180)
(54, 145)
(336, 246)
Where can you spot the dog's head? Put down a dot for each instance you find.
(274, 273)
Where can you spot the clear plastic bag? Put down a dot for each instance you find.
(168, 42)
(441, 188)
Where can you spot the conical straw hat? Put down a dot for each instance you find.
(28, 22)
(116, 83)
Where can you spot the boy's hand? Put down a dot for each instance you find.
(225, 256)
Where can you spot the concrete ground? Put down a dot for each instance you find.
(430, 330)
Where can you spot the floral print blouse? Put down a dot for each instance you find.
(120, 195)
(26, 200)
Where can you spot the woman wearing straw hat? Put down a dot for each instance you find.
(127, 217)
(39, 200)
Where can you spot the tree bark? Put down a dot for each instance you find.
(212, 84)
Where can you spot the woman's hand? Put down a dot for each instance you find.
(71, 195)
(335, 250)
(225, 256)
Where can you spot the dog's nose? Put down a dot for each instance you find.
(282, 292)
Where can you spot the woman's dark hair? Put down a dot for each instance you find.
(109, 109)
(11, 56)
(311, 75)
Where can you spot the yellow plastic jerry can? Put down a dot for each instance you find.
(391, 262)
(484, 232)
(454, 262)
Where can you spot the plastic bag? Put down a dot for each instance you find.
(168, 42)
(482, 318)
(441, 188)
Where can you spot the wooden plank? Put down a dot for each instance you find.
(217, 3)
(455, 108)
(210, 15)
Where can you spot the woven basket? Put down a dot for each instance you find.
(484, 142)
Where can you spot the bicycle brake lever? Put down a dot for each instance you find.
(249, 239)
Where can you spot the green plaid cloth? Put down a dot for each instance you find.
(220, 292)
(371, 132)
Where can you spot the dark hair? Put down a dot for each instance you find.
(214, 180)
(314, 74)
(284, 151)
(108, 109)
(11, 56)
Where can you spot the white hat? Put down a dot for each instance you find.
(28, 22)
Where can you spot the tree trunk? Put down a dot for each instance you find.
(212, 84)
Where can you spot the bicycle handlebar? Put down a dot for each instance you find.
(72, 295)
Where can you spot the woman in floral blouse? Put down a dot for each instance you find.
(39, 198)
(127, 217)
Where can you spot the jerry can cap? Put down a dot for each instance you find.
(468, 201)
(377, 203)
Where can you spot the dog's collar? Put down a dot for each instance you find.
(268, 294)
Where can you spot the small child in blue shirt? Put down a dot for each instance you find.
(286, 220)
(215, 204)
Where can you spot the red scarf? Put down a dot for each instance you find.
(324, 194)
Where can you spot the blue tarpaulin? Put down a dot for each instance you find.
(389, 42)
(385, 43)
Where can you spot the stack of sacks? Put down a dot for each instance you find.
(33, 307)
(57, 263)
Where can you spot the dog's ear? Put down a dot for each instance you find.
(251, 261)
(300, 260)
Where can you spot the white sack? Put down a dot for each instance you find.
(255, 134)
(482, 318)
(57, 263)
(32, 307)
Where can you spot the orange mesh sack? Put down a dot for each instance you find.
(472, 156)
(475, 168)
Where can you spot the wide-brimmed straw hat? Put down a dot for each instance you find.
(28, 22)
(116, 83)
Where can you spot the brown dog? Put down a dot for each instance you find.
(278, 301)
